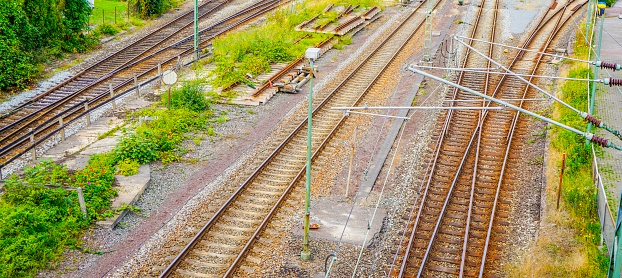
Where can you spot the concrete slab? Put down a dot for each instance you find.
(130, 189)
(83, 138)
(101, 146)
(332, 217)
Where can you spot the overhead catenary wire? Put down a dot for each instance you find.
(597, 63)
(334, 259)
(402, 128)
(586, 116)
(399, 140)
(405, 184)
(485, 71)
(590, 136)
(592, 51)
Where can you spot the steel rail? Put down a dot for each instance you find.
(479, 128)
(444, 130)
(279, 148)
(462, 163)
(29, 118)
(172, 61)
(188, 14)
(510, 136)
(462, 262)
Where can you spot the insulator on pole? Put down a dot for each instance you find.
(612, 81)
(601, 141)
(607, 65)
(593, 120)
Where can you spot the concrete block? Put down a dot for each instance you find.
(130, 189)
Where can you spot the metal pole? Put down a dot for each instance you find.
(196, 29)
(593, 88)
(349, 109)
(616, 259)
(305, 255)
(169, 97)
(561, 177)
(81, 201)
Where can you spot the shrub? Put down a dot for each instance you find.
(97, 179)
(38, 223)
(141, 147)
(190, 96)
(32, 28)
(107, 29)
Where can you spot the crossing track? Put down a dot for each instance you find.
(166, 48)
(220, 246)
(464, 202)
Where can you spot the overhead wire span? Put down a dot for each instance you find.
(581, 113)
(399, 140)
(334, 259)
(598, 63)
(594, 138)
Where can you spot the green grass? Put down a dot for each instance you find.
(108, 7)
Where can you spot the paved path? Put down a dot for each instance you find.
(608, 103)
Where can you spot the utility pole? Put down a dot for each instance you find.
(196, 29)
(305, 254)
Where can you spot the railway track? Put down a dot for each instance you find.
(464, 202)
(220, 246)
(139, 63)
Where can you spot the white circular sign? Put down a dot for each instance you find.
(169, 77)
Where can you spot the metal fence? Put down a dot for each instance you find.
(610, 233)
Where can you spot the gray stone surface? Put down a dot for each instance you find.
(608, 104)
(331, 216)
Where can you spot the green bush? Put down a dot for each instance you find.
(107, 29)
(190, 96)
(37, 222)
(151, 8)
(97, 179)
(141, 147)
(34, 31)
(578, 190)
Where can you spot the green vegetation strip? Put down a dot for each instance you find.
(569, 244)
(36, 33)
